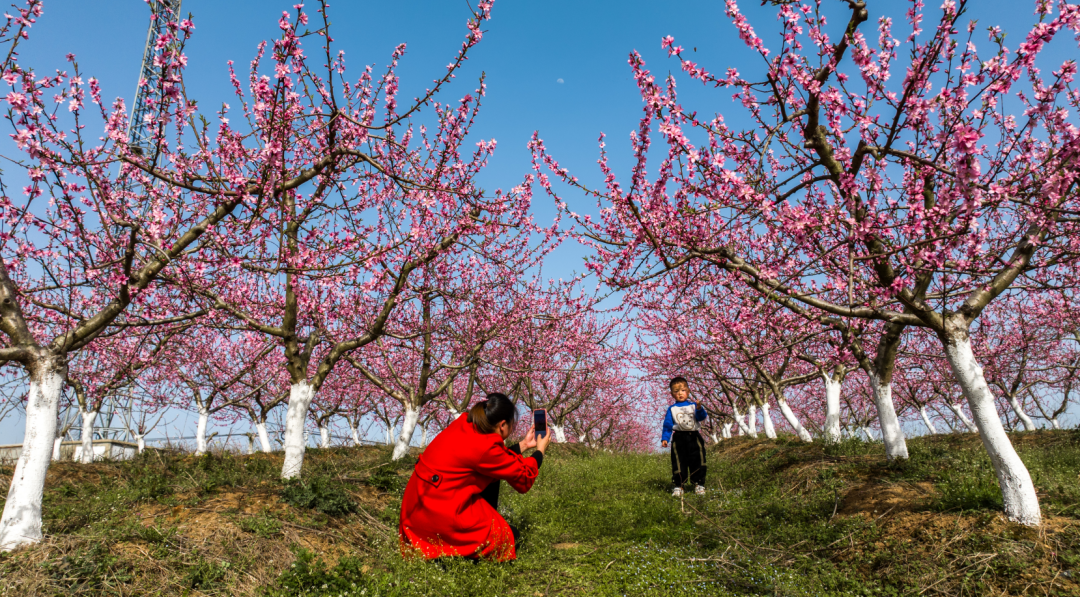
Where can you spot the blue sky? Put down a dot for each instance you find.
(556, 66)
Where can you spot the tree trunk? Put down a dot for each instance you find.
(770, 430)
(727, 431)
(324, 436)
(559, 432)
(743, 429)
(1029, 425)
(300, 395)
(423, 435)
(354, 432)
(792, 420)
(1017, 490)
(1055, 423)
(264, 437)
(408, 426)
(715, 438)
(751, 417)
(200, 431)
(866, 432)
(56, 448)
(959, 412)
(891, 432)
(87, 436)
(832, 410)
(21, 522)
(926, 420)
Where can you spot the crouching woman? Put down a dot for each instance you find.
(450, 507)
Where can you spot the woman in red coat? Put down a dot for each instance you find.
(450, 504)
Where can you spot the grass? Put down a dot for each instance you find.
(779, 518)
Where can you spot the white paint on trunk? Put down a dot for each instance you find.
(926, 420)
(454, 414)
(140, 443)
(408, 426)
(300, 395)
(727, 430)
(743, 429)
(958, 410)
(751, 417)
(715, 438)
(770, 430)
(792, 420)
(200, 431)
(21, 522)
(264, 437)
(832, 410)
(324, 436)
(1055, 423)
(56, 448)
(867, 433)
(87, 436)
(1017, 490)
(891, 432)
(559, 432)
(1029, 425)
(423, 435)
(354, 432)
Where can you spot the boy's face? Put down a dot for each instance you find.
(680, 392)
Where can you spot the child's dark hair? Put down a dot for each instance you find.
(677, 379)
(487, 415)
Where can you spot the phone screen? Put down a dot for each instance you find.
(540, 422)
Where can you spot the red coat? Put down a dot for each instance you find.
(442, 513)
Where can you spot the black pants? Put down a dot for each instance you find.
(687, 458)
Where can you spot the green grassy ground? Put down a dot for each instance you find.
(779, 518)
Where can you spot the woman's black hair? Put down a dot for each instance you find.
(487, 415)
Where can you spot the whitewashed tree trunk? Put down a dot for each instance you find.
(559, 432)
(21, 522)
(200, 431)
(740, 421)
(715, 438)
(1055, 423)
(251, 443)
(454, 414)
(891, 432)
(56, 448)
(867, 433)
(832, 410)
(264, 437)
(354, 432)
(1017, 490)
(959, 412)
(1029, 425)
(751, 417)
(324, 436)
(300, 395)
(423, 435)
(87, 435)
(770, 430)
(408, 426)
(926, 420)
(727, 431)
(793, 420)
(140, 443)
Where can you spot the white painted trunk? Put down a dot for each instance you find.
(56, 448)
(832, 410)
(454, 414)
(408, 426)
(867, 433)
(21, 522)
(743, 429)
(200, 431)
(423, 435)
(770, 430)
(1055, 423)
(251, 443)
(140, 443)
(727, 430)
(715, 438)
(792, 420)
(1017, 490)
(891, 432)
(1029, 425)
(354, 432)
(324, 436)
(264, 437)
(751, 417)
(87, 436)
(559, 432)
(300, 395)
(389, 438)
(959, 412)
(926, 420)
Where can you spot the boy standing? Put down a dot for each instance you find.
(681, 431)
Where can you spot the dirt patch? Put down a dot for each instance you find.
(878, 498)
(566, 545)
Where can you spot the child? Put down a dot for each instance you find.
(681, 430)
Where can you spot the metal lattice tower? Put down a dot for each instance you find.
(161, 13)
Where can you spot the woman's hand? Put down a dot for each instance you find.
(542, 441)
(530, 439)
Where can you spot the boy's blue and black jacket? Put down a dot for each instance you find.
(682, 416)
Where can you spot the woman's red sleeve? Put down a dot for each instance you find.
(498, 462)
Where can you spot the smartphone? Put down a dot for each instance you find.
(540, 422)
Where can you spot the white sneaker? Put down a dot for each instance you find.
(700, 490)
(677, 492)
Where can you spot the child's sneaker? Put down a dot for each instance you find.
(677, 492)
(700, 490)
